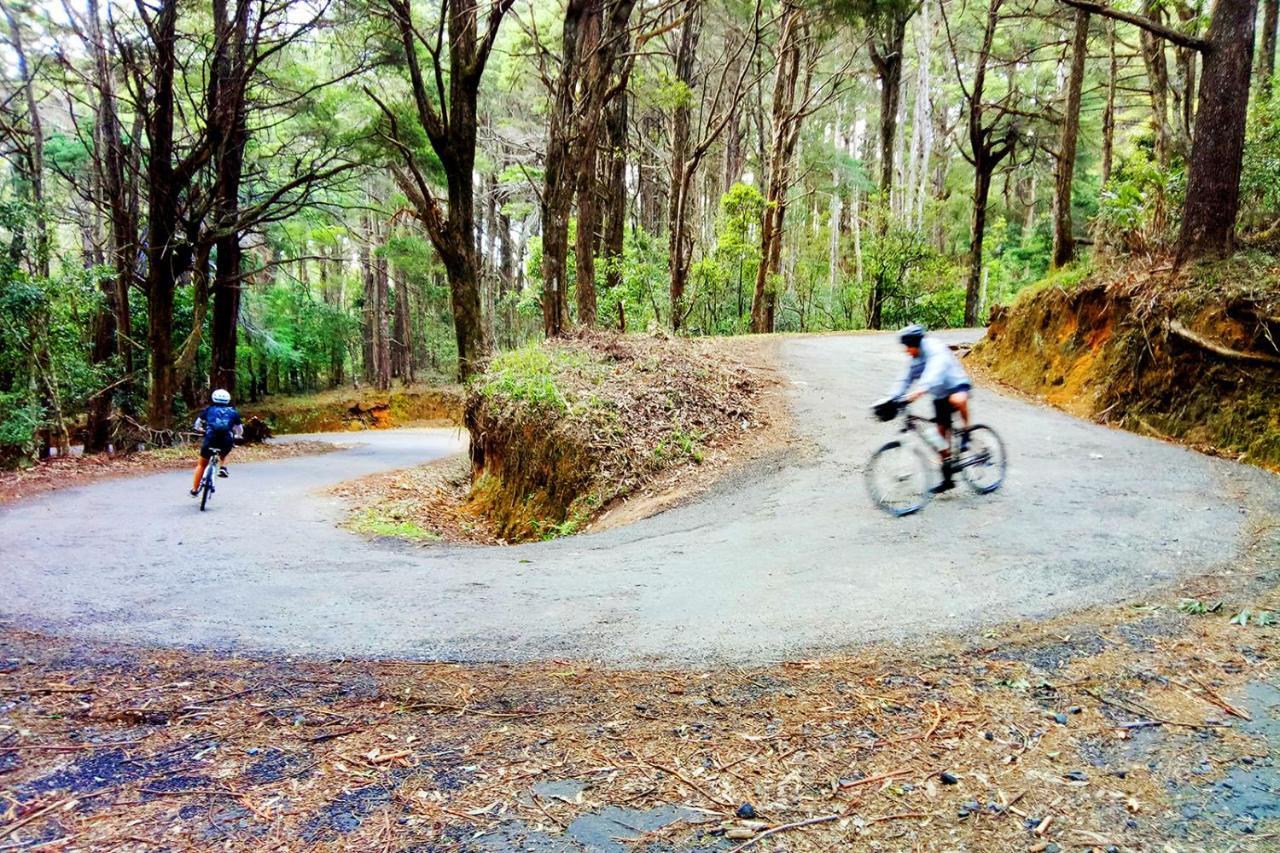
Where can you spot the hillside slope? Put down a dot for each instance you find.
(1192, 354)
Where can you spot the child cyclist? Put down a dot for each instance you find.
(221, 425)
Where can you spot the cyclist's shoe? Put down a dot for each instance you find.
(194, 492)
(222, 472)
(945, 486)
(964, 439)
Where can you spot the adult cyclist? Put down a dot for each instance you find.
(221, 425)
(937, 372)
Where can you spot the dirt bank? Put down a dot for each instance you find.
(1191, 355)
(584, 432)
(348, 409)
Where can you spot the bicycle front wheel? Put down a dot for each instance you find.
(898, 478)
(983, 464)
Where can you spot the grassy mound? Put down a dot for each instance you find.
(343, 410)
(561, 430)
(1191, 354)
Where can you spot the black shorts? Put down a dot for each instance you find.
(942, 407)
(222, 443)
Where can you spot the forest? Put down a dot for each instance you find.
(283, 197)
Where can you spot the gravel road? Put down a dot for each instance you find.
(786, 558)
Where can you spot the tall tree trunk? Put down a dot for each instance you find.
(167, 255)
(228, 134)
(453, 139)
(785, 134)
(1213, 184)
(33, 169)
(585, 239)
(615, 185)
(978, 229)
(1109, 111)
(401, 342)
(648, 170)
(680, 247)
(369, 310)
(886, 55)
(1267, 49)
(1153, 55)
(1064, 244)
(382, 337)
(559, 171)
(987, 152)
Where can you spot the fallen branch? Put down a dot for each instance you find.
(694, 785)
(786, 827)
(869, 779)
(1154, 719)
(36, 815)
(330, 735)
(1215, 699)
(900, 816)
(1178, 330)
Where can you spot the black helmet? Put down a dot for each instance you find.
(911, 335)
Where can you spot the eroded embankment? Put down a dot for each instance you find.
(1191, 355)
(346, 410)
(564, 430)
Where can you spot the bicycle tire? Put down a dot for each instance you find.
(985, 463)
(900, 462)
(206, 484)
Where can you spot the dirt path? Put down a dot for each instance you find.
(781, 560)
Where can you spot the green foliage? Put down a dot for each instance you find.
(388, 520)
(20, 418)
(1260, 180)
(1195, 607)
(528, 376)
(1134, 210)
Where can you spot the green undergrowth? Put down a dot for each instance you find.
(390, 520)
(1190, 354)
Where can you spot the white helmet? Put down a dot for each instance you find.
(221, 396)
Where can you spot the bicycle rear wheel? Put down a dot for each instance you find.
(206, 483)
(983, 464)
(898, 479)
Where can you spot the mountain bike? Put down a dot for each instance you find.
(206, 482)
(903, 472)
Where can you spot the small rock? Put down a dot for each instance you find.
(1248, 759)
(746, 811)
(1076, 776)
(1119, 774)
(1052, 848)
(988, 736)
(1060, 719)
(1074, 709)
(947, 778)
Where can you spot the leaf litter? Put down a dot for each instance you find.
(1134, 728)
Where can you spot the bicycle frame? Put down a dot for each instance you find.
(914, 423)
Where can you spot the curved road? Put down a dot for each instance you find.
(782, 559)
